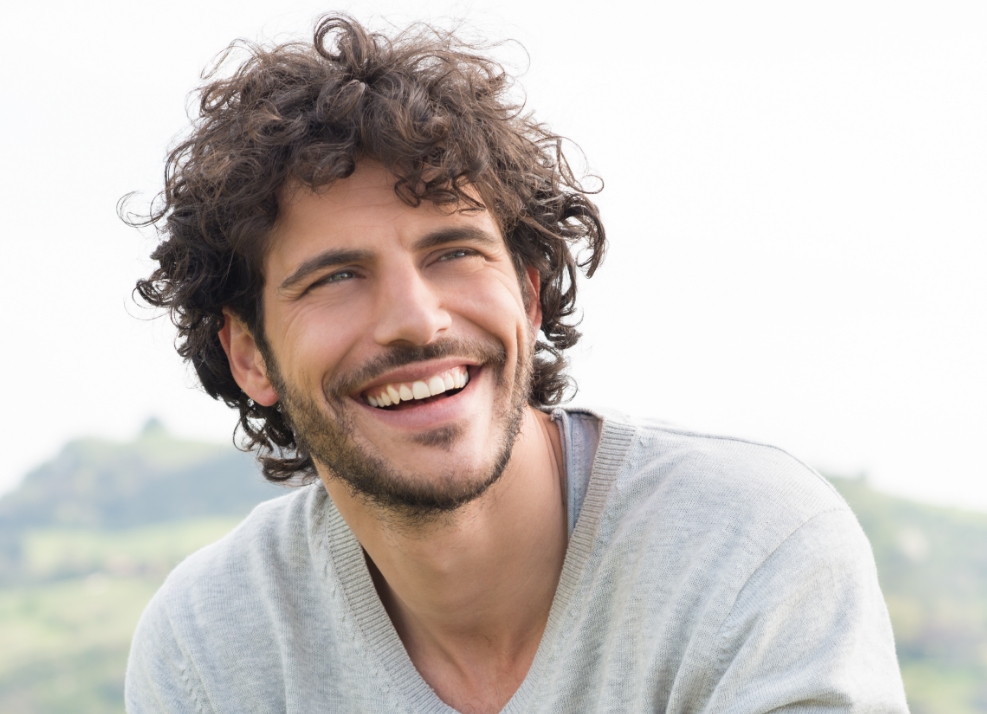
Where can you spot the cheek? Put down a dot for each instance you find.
(494, 305)
(315, 344)
(492, 289)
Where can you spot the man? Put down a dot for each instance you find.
(368, 252)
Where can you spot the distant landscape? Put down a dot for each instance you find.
(88, 537)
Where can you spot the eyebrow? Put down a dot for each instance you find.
(322, 261)
(332, 258)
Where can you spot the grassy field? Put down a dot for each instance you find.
(65, 644)
(66, 622)
(66, 629)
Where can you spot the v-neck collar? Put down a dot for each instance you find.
(336, 548)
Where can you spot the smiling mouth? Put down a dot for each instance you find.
(398, 395)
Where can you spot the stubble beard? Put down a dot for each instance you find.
(327, 434)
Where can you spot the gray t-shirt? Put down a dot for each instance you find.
(703, 574)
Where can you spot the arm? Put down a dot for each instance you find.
(160, 677)
(810, 632)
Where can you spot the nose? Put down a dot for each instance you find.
(409, 308)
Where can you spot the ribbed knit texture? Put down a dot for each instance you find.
(704, 574)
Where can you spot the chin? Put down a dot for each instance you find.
(402, 470)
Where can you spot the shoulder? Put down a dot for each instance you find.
(221, 613)
(725, 474)
(731, 567)
(273, 537)
(245, 568)
(728, 499)
(741, 562)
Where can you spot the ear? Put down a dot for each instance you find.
(532, 285)
(246, 361)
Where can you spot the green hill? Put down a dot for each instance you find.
(88, 537)
(96, 484)
(67, 619)
(99, 484)
(86, 540)
(932, 563)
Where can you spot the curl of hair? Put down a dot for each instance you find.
(427, 106)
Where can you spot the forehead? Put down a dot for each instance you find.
(361, 212)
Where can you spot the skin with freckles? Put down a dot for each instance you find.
(456, 498)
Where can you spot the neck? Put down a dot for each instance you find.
(470, 594)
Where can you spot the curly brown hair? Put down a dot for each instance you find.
(425, 104)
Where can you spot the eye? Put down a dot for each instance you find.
(337, 277)
(457, 253)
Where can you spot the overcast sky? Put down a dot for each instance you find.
(795, 198)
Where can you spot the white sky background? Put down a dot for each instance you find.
(796, 198)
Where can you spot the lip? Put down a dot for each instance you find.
(432, 414)
(415, 372)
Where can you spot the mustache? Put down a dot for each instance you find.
(401, 355)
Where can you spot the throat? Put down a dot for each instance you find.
(469, 668)
(470, 598)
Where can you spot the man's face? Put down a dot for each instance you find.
(400, 344)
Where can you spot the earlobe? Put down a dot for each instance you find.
(246, 361)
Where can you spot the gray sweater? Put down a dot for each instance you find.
(703, 574)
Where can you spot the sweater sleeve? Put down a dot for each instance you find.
(160, 678)
(809, 631)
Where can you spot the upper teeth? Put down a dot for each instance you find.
(388, 394)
